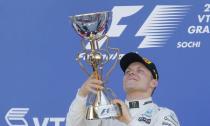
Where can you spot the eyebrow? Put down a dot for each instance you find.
(137, 67)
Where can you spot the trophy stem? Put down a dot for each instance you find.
(97, 75)
(93, 44)
(94, 48)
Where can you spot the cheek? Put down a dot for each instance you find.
(141, 75)
(125, 78)
(124, 81)
(146, 83)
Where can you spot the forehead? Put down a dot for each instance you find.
(136, 65)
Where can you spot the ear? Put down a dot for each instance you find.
(154, 83)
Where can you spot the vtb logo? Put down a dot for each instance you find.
(16, 117)
(157, 28)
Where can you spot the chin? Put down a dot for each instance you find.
(134, 87)
(130, 90)
(132, 83)
(131, 87)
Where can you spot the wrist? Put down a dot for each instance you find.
(81, 93)
(128, 120)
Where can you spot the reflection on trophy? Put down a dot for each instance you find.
(92, 28)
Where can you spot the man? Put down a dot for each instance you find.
(139, 82)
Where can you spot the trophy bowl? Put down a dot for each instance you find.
(92, 23)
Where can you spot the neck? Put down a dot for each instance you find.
(137, 95)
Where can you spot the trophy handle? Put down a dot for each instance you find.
(78, 59)
(116, 50)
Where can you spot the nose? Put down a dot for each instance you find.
(131, 73)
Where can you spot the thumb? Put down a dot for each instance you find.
(117, 102)
(92, 76)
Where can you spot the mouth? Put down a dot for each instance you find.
(131, 78)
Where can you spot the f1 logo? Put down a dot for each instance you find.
(157, 28)
(105, 111)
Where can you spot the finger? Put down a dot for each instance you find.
(95, 86)
(118, 118)
(95, 81)
(92, 90)
(117, 101)
(92, 75)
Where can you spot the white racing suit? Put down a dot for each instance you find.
(144, 113)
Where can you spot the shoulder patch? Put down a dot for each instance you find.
(168, 117)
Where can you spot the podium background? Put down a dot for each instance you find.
(38, 69)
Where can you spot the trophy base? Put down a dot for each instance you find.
(102, 112)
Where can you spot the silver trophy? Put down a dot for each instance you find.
(92, 28)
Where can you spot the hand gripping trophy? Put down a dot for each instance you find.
(92, 28)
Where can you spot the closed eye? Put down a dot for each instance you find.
(127, 71)
(140, 71)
